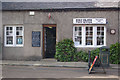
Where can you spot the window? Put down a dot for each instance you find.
(14, 36)
(89, 36)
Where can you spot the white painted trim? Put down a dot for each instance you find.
(105, 30)
(5, 36)
(89, 46)
(73, 33)
(14, 40)
(83, 35)
(95, 35)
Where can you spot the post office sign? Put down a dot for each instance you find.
(89, 21)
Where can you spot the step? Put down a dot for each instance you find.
(49, 60)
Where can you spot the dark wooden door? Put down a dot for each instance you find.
(49, 42)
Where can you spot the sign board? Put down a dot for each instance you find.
(36, 38)
(91, 67)
(89, 21)
(93, 64)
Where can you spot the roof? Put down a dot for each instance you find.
(44, 5)
(59, 0)
(48, 5)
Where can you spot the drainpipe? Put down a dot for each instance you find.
(1, 31)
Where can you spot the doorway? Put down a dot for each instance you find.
(49, 41)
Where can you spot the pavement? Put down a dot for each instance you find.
(49, 63)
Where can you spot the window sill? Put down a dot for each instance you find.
(89, 46)
(14, 46)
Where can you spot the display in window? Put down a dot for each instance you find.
(19, 40)
(100, 35)
(19, 31)
(9, 28)
(77, 43)
(78, 35)
(9, 40)
(9, 31)
(19, 28)
(89, 35)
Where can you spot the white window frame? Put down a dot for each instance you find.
(94, 36)
(14, 37)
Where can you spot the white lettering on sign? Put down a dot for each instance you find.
(89, 21)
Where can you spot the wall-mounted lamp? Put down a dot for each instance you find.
(31, 13)
(112, 31)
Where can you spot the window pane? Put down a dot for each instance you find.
(9, 40)
(100, 35)
(78, 35)
(19, 40)
(21, 28)
(19, 31)
(75, 28)
(9, 31)
(80, 28)
(10, 28)
(7, 28)
(89, 35)
(17, 28)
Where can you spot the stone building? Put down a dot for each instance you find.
(30, 30)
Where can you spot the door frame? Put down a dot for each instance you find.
(47, 25)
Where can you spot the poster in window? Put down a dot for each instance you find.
(76, 43)
(19, 40)
(36, 38)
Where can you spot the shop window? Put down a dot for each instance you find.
(14, 36)
(89, 36)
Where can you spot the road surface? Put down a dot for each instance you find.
(53, 72)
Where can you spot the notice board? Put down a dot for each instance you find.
(36, 38)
